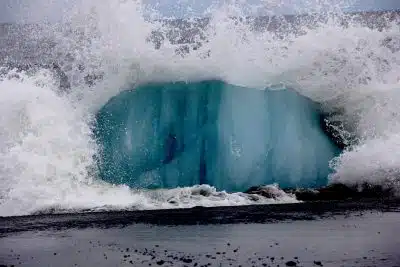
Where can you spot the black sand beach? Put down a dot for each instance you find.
(338, 233)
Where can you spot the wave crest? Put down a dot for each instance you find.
(47, 147)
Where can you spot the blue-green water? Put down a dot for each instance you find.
(209, 132)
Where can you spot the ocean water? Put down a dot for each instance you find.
(110, 109)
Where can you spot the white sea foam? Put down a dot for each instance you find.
(46, 146)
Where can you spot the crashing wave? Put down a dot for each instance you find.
(50, 154)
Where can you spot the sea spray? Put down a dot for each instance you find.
(49, 153)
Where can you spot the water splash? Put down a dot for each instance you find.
(347, 64)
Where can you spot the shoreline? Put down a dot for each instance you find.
(261, 213)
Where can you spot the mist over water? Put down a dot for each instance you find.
(49, 156)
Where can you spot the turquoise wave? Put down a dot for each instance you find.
(175, 134)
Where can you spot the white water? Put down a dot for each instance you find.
(45, 138)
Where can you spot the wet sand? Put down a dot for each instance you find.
(343, 234)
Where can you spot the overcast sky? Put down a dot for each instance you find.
(14, 10)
